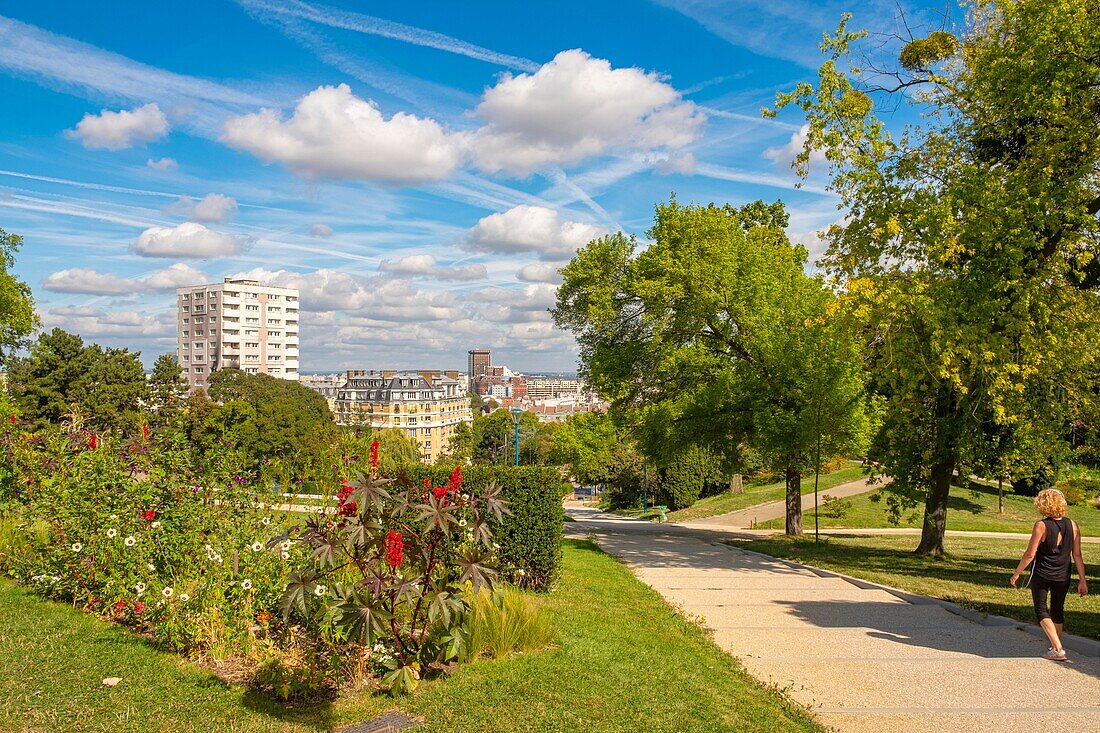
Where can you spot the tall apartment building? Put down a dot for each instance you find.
(479, 362)
(552, 388)
(427, 405)
(239, 324)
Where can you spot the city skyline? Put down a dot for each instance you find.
(419, 177)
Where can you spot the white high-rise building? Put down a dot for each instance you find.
(238, 324)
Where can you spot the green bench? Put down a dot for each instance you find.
(663, 511)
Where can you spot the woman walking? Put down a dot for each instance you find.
(1054, 541)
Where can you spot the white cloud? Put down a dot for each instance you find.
(539, 273)
(179, 275)
(426, 266)
(123, 129)
(214, 207)
(94, 323)
(531, 229)
(186, 240)
(683, 164)
(163, 164)
(91, 282)
(85, 280)
(320, 230)
(334, 134)
(784, 155)
(577, 106)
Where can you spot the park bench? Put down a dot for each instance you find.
(663, 511)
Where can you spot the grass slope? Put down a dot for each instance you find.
(624, 661)
(973, 509)
(754, 493)
(975, 574)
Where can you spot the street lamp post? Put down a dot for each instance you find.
(516, 412)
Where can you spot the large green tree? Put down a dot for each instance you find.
(712, 337)
(168, 389)
(62, 372)
(17, 317)
(969, 248)
(588, 443)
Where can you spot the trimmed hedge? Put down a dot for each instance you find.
(531, 537)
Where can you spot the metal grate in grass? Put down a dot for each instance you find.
(386, 723)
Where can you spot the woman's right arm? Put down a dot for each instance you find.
(1037, 533)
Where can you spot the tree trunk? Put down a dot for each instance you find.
(935, 510)
(736, 486)
(794, 501)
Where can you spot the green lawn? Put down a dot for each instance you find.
(759, 493)
(974, 575)
(972, 509)
(624, 661)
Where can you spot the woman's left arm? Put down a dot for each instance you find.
(1079, 561)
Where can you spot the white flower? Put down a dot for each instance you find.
(184, 597)
(265, 521)
(140, 587)
(155, 524)
(496, 545)
(257, 546)
(521, 572)
(285, 546)
(462, 523)
(209, 551)
(112, 532)
(167, 592)
(319, 590)
(465, 497)
(129, 541)
(263, 506)
(77, 547)
(151, 567)
(217, 558)
(246, 584)
(113, 517)
(285, 555)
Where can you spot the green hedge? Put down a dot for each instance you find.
(530, 538)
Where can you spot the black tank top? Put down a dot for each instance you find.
(1052, 559)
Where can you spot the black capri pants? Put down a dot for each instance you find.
(1058, 590)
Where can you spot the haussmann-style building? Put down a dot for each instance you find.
(427, 405)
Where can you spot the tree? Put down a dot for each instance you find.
(291, 421)
(167, 387)
(61, 373)
(17, 317)
(460, 448)
(969, 249)
(710, 338)
(587, 443)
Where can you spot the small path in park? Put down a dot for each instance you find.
(861, 658)
(745, 518)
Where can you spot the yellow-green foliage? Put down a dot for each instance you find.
(921, 53)
(505, 622)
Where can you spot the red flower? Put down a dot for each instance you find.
(374, 455)
(395, 549)
(13, 419)
(149, 515)
(456, 480)
(139, 607)
(439, 492)
(93, 441)
(346, 508)
(145, 431)
(119, 606)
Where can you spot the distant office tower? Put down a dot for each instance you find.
(479, 363)
(237, 324)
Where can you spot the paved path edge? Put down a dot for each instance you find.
(1079, 644)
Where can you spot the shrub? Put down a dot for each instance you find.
(530, 536)
(504, 622)
(834, 507)
(1078, 490)
(683, 479)
(1042, 478)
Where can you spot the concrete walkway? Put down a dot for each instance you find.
(861, 658)
(745, 518)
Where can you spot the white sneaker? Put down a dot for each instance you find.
(1055, 655)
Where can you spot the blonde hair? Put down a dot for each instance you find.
(1052, 503)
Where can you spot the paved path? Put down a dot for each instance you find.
(744, 518)
(863, 659)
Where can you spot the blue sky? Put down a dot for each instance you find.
(419, 171)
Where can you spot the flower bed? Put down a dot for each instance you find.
(375, 586)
